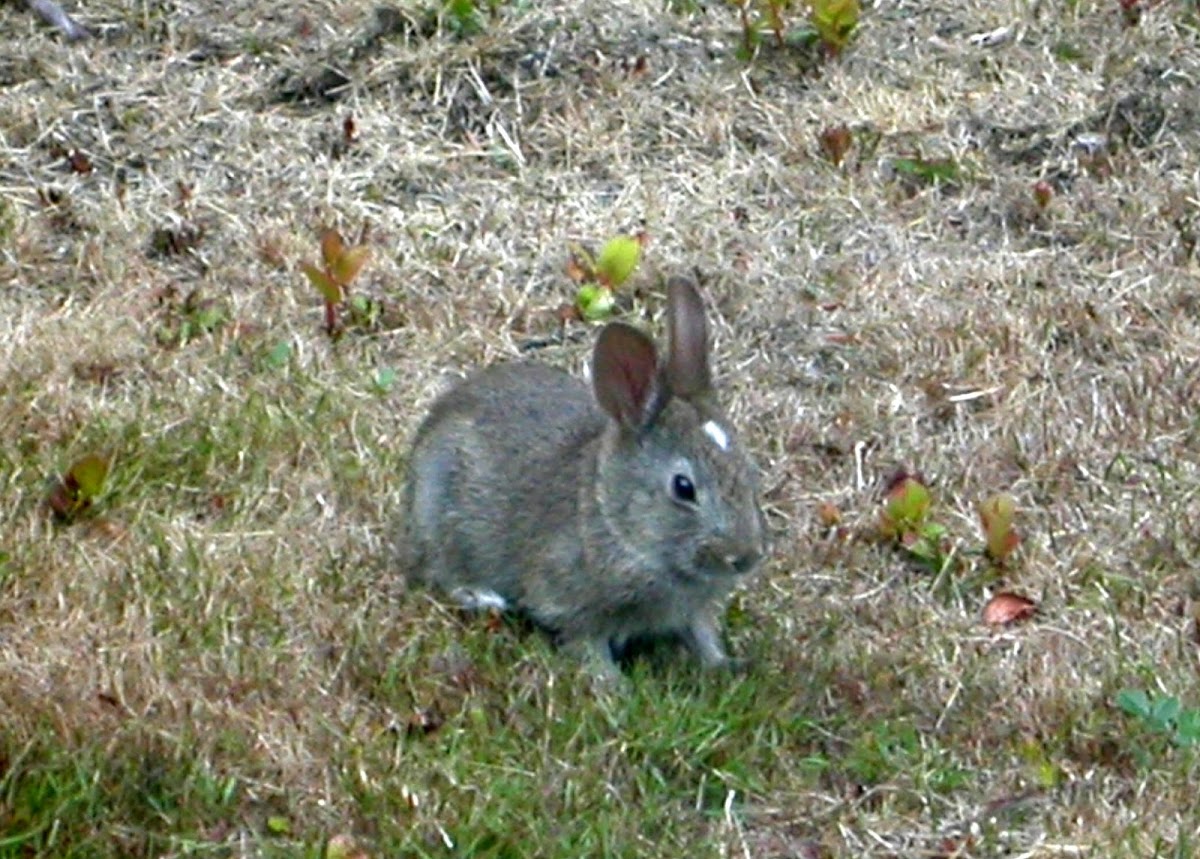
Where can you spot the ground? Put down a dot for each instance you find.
(217, 656)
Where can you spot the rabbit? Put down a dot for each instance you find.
(626, 511)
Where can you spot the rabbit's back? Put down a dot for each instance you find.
(490, 477)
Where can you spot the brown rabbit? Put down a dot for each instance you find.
(631, 512)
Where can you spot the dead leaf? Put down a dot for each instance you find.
(79, 162)
(828, 514)
(1007, 607)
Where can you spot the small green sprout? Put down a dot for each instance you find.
(599, 278)
(905, 521)
(1162, 714)
(835, 22)
(996, 516)
(78, 489)
(340, 266)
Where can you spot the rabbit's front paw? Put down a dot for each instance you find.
(595, 656)
(703, 638)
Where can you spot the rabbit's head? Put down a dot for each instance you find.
(674, 485)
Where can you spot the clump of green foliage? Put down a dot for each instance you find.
(467, 17)
(907, 520)
(828, 23)
(188, 319)
(600, 276)
(1163, 715)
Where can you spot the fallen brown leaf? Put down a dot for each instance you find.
(1007, 607)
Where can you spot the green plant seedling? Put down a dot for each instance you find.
(184, 321)
(906, 506)
(1163, 715)
(928, 170)
(595, 302)
(835, 22)
(996, 516)
(904, 520)
(279, 355)
(77, 490)
(618, 258)
(383, 380)
(463, 16)
(600, 277)
(340, 266)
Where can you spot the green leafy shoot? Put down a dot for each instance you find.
(835, 22)
(928, 170)
(340, 266)
(904, 520)
(383, 380)
(1162, 714)
(463, 17)
(279, 355)
(618, 258)
(77, 490)
(184, 321)
(906, 506)
(599, 277)
(996, 516)
(595, 302)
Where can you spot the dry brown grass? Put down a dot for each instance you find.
(227, 635)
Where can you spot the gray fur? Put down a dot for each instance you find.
(527, 488)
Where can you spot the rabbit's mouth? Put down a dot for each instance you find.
(716, 564)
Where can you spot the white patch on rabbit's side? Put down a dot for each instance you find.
(478, 599)
(717, 433)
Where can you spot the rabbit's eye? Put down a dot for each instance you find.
(682, 488)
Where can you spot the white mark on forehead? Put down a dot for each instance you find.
(717, 433)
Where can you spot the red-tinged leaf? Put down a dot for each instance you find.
(1007, 607)
(1042, 193)
(347, 266)
(828, 514)
(996, 515)
(330, 290)
(835, 143)
(63, 501)
(79, 162)
(568, 313)
(331, 247)
(576, 271)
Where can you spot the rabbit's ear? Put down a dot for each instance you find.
(687, 358)
(625, 375)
